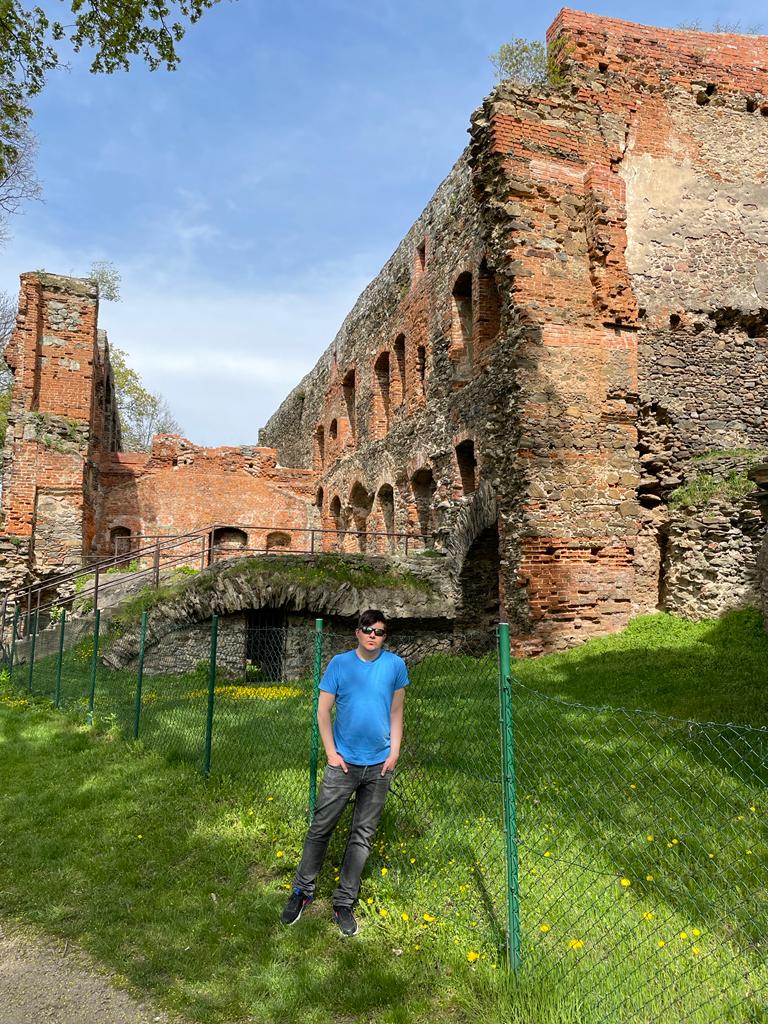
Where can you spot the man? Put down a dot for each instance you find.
(362, 746)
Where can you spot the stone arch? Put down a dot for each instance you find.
(478, 605)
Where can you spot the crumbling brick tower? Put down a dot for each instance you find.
(62, 412)
(580, 310)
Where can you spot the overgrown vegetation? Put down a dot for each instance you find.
(752, 456)
(531, 62)
(324, 569)
(705, 487)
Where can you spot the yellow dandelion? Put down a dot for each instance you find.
(684, 936)
(544, 927)
(369, 901)
(269, 799)
(384, 871)
(404, 916)
(650, 838)
(711, 856)
(749, 852)
(139, 837)
(740, 817)
(383, 911)
(417, 946)
(695, 933)
(547, 853)
(662, 943)
(695, 950)
(632, 785)
(649, 878)
(626, 883)
(472, 956)
(753, 809)
(428, 918)
(413, 860)
(675, 842)
(279, 853)
(575, 943)
(648, 915)
(669, 845)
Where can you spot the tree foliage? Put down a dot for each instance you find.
(115, 30)
(143, 413)
(530, 62)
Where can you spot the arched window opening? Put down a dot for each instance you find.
(333, 430)
(320, 447)
(386, 498)
(319, 498)
(119, 540)
(421, 370)
(229, 538)
(381, 375)
(399, 378)
(420, 259)
(488, 307)
(360, 502)
(423, 486)
(348, 388)
(461, 326)
(465, 458)
(335, 509)
(278, 539)
(479, 593)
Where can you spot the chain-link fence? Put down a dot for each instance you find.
(619, 857)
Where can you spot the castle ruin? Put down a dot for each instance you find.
(579, 314)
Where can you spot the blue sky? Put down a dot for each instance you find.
(248, 197)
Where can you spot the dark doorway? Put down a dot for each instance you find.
(265, 637)
(479, 609)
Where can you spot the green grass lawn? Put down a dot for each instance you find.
(642, 845)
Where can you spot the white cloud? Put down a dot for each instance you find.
(223, 357)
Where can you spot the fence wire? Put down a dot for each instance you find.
(639, 843)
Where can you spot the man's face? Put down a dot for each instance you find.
(367, 637)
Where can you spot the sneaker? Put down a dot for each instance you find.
(345, 919)
(294, 908)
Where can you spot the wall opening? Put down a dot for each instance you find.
(399, 379)
(265, 639)
(278, 539)
(119, 540)
(467, 464)
(333, 430)
(461, 326)
(319, 498)
(423, 486)
(489, 307)
(420, 259)
(421, 370)
(348, 387)
(319, 448)
(360, 502)
(479, 605)
(382, 405)
(335, 509)
(229, 538)
(386, 498)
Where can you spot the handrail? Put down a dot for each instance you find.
(162, 557)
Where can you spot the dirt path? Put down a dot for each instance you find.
(47, 983)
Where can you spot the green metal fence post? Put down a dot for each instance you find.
(13, 639)
(57, 691)
(315, 741)
(509, 785)
(140, 675)
(33, 644)
(94, 665)
(211, 695)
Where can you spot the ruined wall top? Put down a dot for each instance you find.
(661, 56)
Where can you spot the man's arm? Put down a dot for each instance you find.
(324, 705)
(395, 730)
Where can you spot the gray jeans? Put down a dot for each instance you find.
(365, 782)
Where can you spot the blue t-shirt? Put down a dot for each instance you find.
(364, 691)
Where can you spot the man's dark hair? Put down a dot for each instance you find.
(370, 617)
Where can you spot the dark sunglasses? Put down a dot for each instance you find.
(371, 629)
